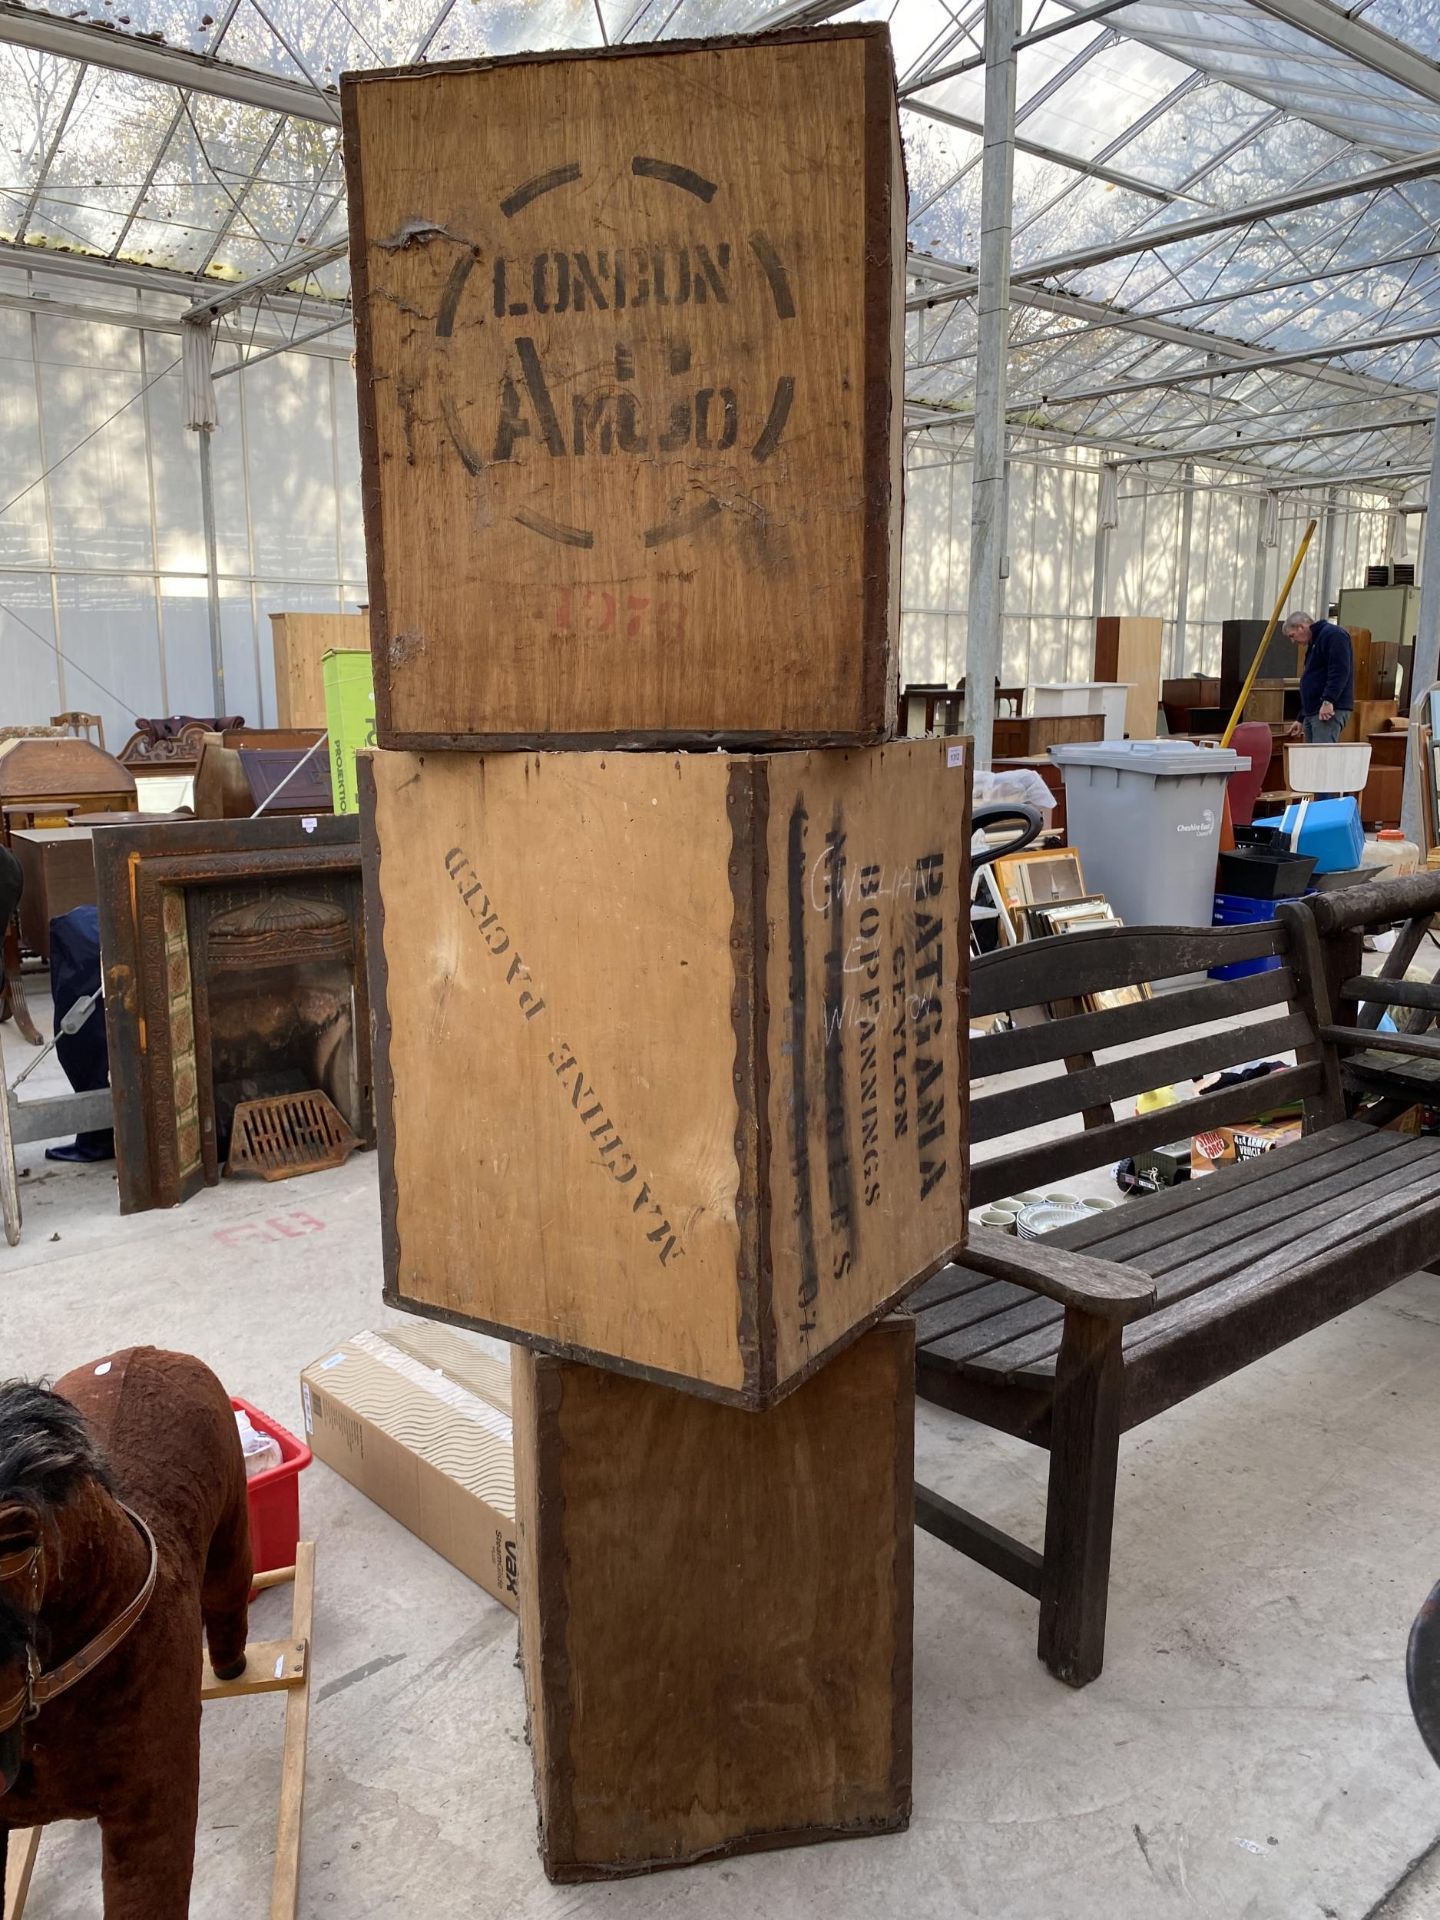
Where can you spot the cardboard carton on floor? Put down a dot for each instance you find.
(419, 1420)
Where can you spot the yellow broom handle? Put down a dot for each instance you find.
(1284, 595)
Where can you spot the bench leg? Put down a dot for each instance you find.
(1084, 1450)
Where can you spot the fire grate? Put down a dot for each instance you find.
(289, 1133)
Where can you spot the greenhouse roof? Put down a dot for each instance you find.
(1224, 215)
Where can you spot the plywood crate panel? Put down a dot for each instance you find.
(300, 642)
(1127, 647)
(629, 336)
(673, 1046)
(716, 1628)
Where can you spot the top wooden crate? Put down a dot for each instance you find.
(629, 334)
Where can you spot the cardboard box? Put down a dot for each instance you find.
(629, 332)
(419, 1420)
(715, 1619)
(1224, 1146)
(350, 717)
(671, 1047)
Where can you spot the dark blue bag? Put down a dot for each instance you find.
(85, 1056)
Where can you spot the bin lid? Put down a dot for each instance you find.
(1158, 758)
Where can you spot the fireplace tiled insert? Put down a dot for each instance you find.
(234, 966)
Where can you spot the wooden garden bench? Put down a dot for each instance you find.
(1391, 1071)
(1071, 1341)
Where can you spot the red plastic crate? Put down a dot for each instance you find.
(274, 1496)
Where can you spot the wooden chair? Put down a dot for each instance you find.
(82, 725)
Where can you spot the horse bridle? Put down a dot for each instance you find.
(39, 1687)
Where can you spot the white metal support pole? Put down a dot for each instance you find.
(1182, 571)
(1258, 602)
(1327, 555)
(1101, 570)
(197, 352)
(1107, 517)
(1426, 670)
(989, 563)
(212, 574)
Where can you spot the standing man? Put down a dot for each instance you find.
(1327, 678)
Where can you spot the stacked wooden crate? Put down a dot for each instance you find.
(671, 1042)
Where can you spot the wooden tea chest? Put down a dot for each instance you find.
(715, 1623)
(629, 336)
(671, 1047)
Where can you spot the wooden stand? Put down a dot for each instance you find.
(271, 1666)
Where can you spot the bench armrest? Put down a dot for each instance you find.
(1375, 903)
(1419, 1046)
(1102, 1287)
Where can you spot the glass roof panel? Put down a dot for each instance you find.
(1091, 212)
(293, 189)
(1177, 146)
(198, 183)
(35, 90)
(473, 27)
(1214, 106)
(1414, 22)
(298, 40)
(934, 157)
(112, 139)
(922, 32)
(1280, 63)
(684, 20)
(1116, 87)
(333, 282)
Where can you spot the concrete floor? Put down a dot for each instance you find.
(1248, 1753)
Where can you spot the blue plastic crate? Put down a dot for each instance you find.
(1236, 910)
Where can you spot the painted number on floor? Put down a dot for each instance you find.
(281, 1226)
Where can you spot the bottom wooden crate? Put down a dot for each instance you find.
(716, 1624)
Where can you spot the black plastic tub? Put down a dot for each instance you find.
(1263, 873)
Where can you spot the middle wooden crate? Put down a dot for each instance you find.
(672, 1048)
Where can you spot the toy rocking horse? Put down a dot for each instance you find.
(123, 1527)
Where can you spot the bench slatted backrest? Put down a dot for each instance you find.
(1065, 971)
